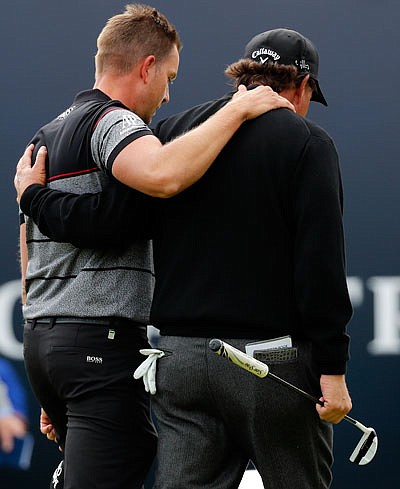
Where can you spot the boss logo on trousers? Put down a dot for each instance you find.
(92, 359)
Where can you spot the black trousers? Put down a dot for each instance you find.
(81, 374)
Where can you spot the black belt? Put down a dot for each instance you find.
(105, 321)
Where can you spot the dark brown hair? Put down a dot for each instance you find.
(127, 38)
(278, 77)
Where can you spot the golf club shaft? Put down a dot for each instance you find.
(312, 398)
(253, 366)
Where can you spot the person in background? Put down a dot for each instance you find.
(13, 407)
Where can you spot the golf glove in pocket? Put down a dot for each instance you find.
(147, 369)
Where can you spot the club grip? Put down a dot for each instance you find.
(215, 345)
(239, 358)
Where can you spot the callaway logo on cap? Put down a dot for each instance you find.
(287, 47)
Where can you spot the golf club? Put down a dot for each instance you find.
(368, 444)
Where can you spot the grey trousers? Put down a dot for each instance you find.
(213, 417)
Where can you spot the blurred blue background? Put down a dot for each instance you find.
(47, 50)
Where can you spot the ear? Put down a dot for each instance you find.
(147, 63)
(300, 90)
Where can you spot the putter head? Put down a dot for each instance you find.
(366, 448)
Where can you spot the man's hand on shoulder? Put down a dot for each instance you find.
(252, 103)
(28, 174)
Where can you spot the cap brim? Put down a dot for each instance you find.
(317, 95)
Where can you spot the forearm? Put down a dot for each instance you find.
(171, 168)
(196, 150)
(114, 217)
(325, 307)
(164, 171)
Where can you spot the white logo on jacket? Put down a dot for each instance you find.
(93, 359)
(129, 122)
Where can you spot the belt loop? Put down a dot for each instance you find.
(32, 324)
(52, 322)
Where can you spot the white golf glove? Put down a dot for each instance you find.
(147, 369)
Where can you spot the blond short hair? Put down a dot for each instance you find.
(128, 37)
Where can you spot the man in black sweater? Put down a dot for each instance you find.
(253, 251)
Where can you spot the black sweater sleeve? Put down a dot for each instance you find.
(114, 217)
(319, 257)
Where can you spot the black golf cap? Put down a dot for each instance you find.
(287, 47)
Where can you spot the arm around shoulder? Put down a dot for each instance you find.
(164, 171)
(111, 218)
